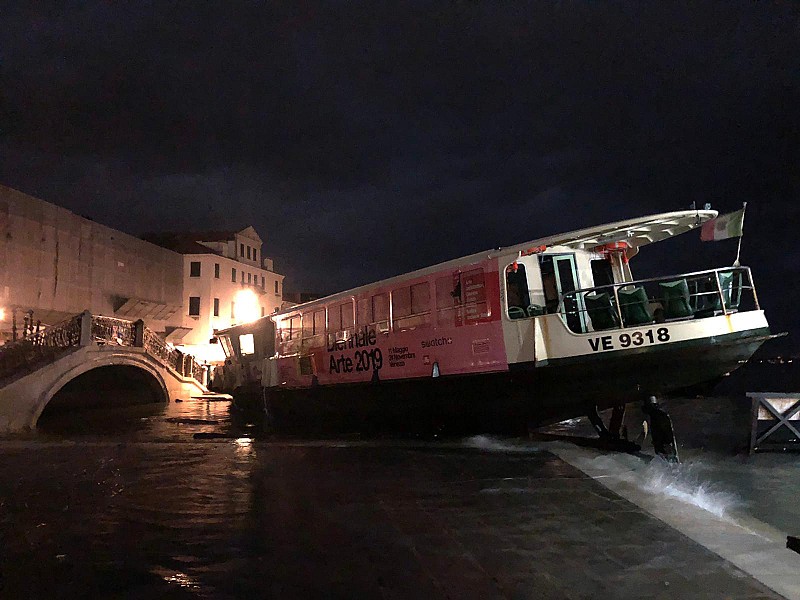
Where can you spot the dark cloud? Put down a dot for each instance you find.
(364, 140)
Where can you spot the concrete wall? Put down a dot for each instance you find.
(57, 263)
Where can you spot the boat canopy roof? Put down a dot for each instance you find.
(636, 232)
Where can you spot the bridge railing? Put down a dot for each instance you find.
(158, 349)
(33, 352)
(109, 329)
(30, 353)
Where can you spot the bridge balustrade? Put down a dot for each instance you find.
(26, 355)
(110, 329)
(30, 353)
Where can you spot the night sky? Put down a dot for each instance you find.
(363, 140)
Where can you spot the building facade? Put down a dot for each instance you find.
(226, 281)
(55, 264)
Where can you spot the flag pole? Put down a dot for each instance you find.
(736, 263)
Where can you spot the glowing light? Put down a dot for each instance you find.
(2, 313)
(247, 308)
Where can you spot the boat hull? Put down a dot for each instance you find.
(508, 401)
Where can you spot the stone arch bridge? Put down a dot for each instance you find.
(33, 370)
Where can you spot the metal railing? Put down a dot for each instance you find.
(659, 299)
(161, 351)
(39, 349)
(111, 330)
(33, 352)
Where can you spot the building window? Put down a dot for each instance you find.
(263, 283)
(241, 250)
(216, 307)
(233, 275)
(276, 287)
(194, 306)
(216, 270)
(233, 310)
(194, 269)
(242, 277)
(263, 311)
(248, 253)
(255, 255)
(249, 278)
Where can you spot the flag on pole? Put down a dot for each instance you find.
(723, 227)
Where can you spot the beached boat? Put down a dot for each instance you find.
(550, 329)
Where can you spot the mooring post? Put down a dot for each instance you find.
(138, 333)
(86, 328)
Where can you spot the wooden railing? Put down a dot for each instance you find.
(33, 352)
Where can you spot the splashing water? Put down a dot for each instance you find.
(493, 444)
(684, 482)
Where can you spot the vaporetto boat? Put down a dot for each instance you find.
(547, 330)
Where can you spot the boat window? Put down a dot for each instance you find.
(364, 311)
(227, 347)
(448, 299)
(288, 333)
(246, 344)
(348, 318)
(549, 286)
(559, 278)
(401, 303)
(294, 324)
(602, 272)
(517, 295)
(314, 329)
(319, 321)
(380, 312)
(341, 321)
(411, 306)
(334, 319)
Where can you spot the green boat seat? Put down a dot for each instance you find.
(675, 299)
(634, 306)
(534, 310)
(516, 312)
(731, 284)
(601, 310)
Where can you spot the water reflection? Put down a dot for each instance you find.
(176, 421)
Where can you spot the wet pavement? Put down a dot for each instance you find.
(127, 504)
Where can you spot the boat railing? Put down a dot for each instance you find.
(672, 298)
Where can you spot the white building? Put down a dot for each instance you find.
(226, 281)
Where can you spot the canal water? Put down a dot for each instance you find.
(195, 499)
